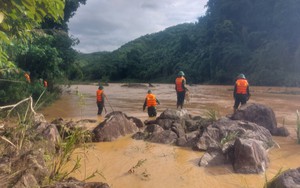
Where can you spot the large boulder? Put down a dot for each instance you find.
(174, 114)
(115, 125)
(49, 132)
(287, 179)
(261, 115)
(214, 157)
(226, 130)
(242, 143)
(249, 156)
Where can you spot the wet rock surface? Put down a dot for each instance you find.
(115, 125)
(288, 179)
(23, 163)
(261, 115)
(242, 143)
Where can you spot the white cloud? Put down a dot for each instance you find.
(105, 25)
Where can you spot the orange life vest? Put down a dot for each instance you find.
(151, 100)
(45, 83)
(241, 86)
(99, 95)
(178, 83)
(27, 77)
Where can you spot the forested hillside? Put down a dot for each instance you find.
(260, 38)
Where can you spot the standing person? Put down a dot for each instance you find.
(180, 88)
(27, 77)
(151, 101)
(100, 99)
(45, 83)
(241, 93)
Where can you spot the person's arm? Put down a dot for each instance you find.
(145, 104)
(248, 92)
(234, 91)
(103, 96)
(183, 85)
(96, 96)
(157, 101)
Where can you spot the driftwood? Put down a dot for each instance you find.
(13, 106)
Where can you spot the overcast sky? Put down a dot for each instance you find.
(105, 25)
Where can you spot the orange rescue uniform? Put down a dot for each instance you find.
(241, 86)
(99, 95)
(178, 83)
(45, 83)
(151, 100)
(27, 77)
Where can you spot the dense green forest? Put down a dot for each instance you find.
(260, 38)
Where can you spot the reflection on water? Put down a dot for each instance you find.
(170, 166)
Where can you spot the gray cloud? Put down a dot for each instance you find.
(105, 25)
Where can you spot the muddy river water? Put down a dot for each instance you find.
(158, 165)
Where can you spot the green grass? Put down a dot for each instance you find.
(229, 137)
(212, 115)
(268, 183)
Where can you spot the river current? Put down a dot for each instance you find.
(128, 163)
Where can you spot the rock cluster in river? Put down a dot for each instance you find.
(241, 140)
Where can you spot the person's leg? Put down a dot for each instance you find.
(243, 99)
(149, 111)
(178, 99)
(100, 108)
(236, 103)
(154, 112)
(181, 99)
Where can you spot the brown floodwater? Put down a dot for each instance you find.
(158, 165)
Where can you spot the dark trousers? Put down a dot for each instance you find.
(180, 98)
(151, 111)
(240, 99)
(100, 107)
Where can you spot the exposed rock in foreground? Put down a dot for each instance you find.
(249, 156)
(115, 125)
(288, 179)
(240, 143)
(22, 161)
(261, 115)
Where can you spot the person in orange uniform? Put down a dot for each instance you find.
(151, 101)
(180, 88)
(45, 84)
(100, 99)
(27, 77)
(241, 93)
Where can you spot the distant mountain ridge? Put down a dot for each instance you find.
(254, 37)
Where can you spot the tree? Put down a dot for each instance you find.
(20, 19)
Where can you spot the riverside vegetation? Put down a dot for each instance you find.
(35, 153)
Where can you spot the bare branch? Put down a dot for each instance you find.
(13, 106)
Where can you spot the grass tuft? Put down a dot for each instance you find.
(212, 115)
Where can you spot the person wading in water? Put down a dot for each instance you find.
(180, 88)
(151, 101)
(100, 99)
